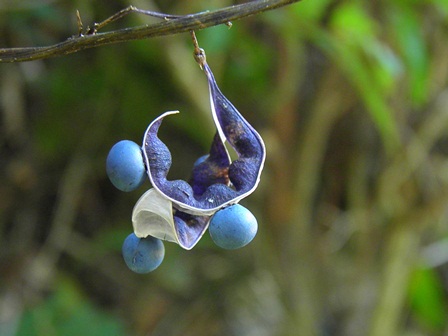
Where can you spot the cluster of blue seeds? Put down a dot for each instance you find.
(231, 227)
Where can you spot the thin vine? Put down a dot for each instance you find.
(171, 24)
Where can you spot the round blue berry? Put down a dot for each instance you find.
(233, 227)
(143, 255)
(125, 167)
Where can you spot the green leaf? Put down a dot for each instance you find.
(428, 300)
(310, 10)
(408, 34)
(353, 25)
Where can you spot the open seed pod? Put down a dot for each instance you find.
(215, 183)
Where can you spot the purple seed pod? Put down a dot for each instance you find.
(180, 211)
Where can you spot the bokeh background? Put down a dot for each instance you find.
(351, 98)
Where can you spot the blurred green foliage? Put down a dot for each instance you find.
(67, 312)
(351, 98)
(428, 299)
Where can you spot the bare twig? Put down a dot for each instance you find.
(167, 27)
(125, 12)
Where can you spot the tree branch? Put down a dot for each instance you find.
(168, 27)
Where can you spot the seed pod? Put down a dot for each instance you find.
(180, 211)
(230, 181)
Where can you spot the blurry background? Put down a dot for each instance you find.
(351, 98)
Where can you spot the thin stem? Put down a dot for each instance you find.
(182, 24)
(128, 10)
(79, 21)
(195, 42)
(198, 53)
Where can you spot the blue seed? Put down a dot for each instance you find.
(143, 255)
(125, 167)
(233, 227)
